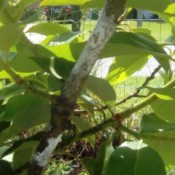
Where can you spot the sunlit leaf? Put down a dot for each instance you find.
(62, 2)
(47, 29)
(125, 66)
(164, 93)
(144, 43)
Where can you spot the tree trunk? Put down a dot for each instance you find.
(63, 105)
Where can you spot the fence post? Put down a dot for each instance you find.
(139, 18)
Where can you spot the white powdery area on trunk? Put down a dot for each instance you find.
(42, 157)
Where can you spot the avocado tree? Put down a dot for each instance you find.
(51, 85)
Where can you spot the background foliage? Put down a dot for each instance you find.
(30, 74)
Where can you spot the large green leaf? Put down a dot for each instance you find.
(124, 66)
(165, 109)
(9, 34)
(62, 2)
(23, 112)
(160, 135)
(9, 90)
(22, 62)
(101, 88)
(59, 67)
(23, 154)
(82, 125)
(149, 4)
(69, 51)
(47, 29)
(135, 158)
(97, 166)
(12, 12)
(94, 4)
(145, 43)
(102, 159)
(164, 93)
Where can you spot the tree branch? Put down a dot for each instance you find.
(62, 106)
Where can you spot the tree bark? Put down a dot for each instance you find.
(62, 106)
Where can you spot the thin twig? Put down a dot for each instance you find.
(135, 94)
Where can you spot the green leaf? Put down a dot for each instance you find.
(59, 67)
(62, 2)
(69, 51)
(101, 88)
(146, 44)
(47, 29)
(22, 62)
(2, 150)
(164, 109)
(125, 66)
(23, 154)
(82, 125)
(87, 103)
(164, 93)
(9, 90)
(68, 37)
(9, 34)
(97, 166)
(149, 5)
(160, 135)
(102, 159)
(5, 75)
(94, 4)
(2, 5)
(88, 163)
(5, 168)
(24, 112)
(135, 158)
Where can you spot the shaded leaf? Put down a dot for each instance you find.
(160, 135)
(23, 154)
(135, 158)
(9, 34)
(82, 125)
(5, 168)
(9, 90)
(101, 88)
(24, 112)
